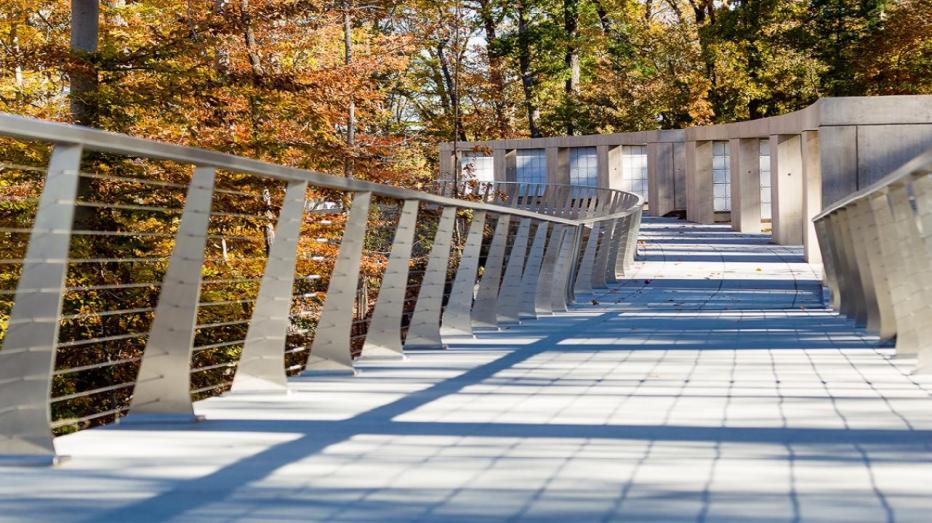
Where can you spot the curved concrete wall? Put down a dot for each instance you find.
(819, 155)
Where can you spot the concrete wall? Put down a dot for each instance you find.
(819, 155)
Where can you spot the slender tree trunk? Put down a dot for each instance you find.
(451, 88)
(571, 59)
(85, 29)
(85, 26)
(496, 76)
(257, 70)
(527, 76)
(351, 106)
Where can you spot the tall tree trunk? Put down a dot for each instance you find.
(528, 81)
(571, 59)
(451, 88)
(496, 76)
(258, 72)
(351, 107)
(85, 26)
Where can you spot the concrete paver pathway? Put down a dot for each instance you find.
(712, 385)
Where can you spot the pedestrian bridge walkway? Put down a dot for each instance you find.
(711, 385)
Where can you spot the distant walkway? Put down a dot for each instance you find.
(711, 386)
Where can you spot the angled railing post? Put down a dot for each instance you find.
(829, 259)
(619, 248)
(485, 308)
(331, 350)
(424, 330)
(531, 276)
(28, 356)
(543, 298)
(509, 296)
(163, 387)
(611, 276)
(262, 364)
(922, 190)
(915, 265)
(898, 276)
(457, 319)
(564, 270)
(540, 198)
(859, 235)
(878, 271)
(901, 280)
(600, 278)
(583, 284)
(514, 193)
(383, 339)
(842, 275)
(603, 250)
(632, 247)
(593, 206)
(852, 297)
(559, 201)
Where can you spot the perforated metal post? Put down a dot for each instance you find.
(28, 356)
(331, 350)
(509, 296)
(530, 278)
(424, 330)
(163, 386)
(485, 308)
(383, 339)
(457, 315)
(262, 364)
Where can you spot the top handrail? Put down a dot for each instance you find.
(104, 141)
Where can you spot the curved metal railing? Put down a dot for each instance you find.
(147, 275)
(877, 253)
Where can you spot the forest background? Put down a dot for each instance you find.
(273, 79)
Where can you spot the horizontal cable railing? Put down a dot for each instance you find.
(138, 277)
(877, 255)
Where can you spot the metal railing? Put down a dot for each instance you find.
(140, 276)
(877, 253)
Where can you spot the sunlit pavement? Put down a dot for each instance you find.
(712, 385)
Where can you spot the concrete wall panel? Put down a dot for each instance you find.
(883, 148)
(838, 150)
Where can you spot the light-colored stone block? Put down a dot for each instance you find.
(745, 185)
(786, 171)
